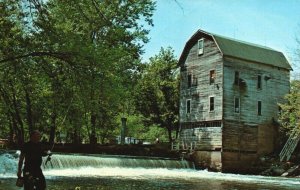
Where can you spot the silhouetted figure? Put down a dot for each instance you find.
(32, 153)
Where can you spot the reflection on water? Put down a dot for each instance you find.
(90, 172)
(185, 179)
(120, 183)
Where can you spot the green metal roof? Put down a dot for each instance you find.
(252, 52)
(242, 50)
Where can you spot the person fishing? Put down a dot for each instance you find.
(32, 152)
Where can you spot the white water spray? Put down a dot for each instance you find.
(72, 166)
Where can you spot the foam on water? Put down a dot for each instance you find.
(162, 173)
(92, 166)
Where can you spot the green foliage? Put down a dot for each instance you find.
(156, 93)
(155, 132)
(137, 129)
(67, 66)
(290, 114)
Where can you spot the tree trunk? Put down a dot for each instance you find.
(170, 134)
(93, 138)
(177, 131)
(52, 129)
(19, 135)
(18, 121)
(29, 112)
(12, 133)
(13, 112)
(76, 136)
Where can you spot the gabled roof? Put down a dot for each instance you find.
(239, 49)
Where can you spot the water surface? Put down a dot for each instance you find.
(133, 173)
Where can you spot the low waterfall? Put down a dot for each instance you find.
(61, 161)
(67, 171)
(9, 162)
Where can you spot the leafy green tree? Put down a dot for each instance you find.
(68, 64)
(156, 94)
(290, 113)
(11, 88)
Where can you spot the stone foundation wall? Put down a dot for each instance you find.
(207, 159)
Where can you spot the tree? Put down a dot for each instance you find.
(290, 113)
(156, 94)
(66, 60)
(11, 89)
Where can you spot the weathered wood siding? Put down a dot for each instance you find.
(202, 138)
(200, 67)
(205, 138)
(261, 129)
(234, 139)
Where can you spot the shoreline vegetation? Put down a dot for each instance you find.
(266, 165)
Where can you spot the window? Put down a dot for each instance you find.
(211, 103)
(188, 106)
(192, 80)
(236, 77)
(258, 81)
(200, 46)
(189, 80)
(212, 76)
(259, 108)
(237, 105)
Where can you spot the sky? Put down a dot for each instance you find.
(271, 23)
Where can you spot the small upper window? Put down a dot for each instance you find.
(200, 46)
(258, 81)
(236, 77)
(212, 76)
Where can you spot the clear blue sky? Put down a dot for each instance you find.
(272, 23)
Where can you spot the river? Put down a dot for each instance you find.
(100, 172)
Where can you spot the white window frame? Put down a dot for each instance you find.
(192, 80)
(200, 46)
(212, 76)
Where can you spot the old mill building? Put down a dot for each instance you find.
(229, 95)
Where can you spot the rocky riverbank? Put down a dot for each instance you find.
(274, 167)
